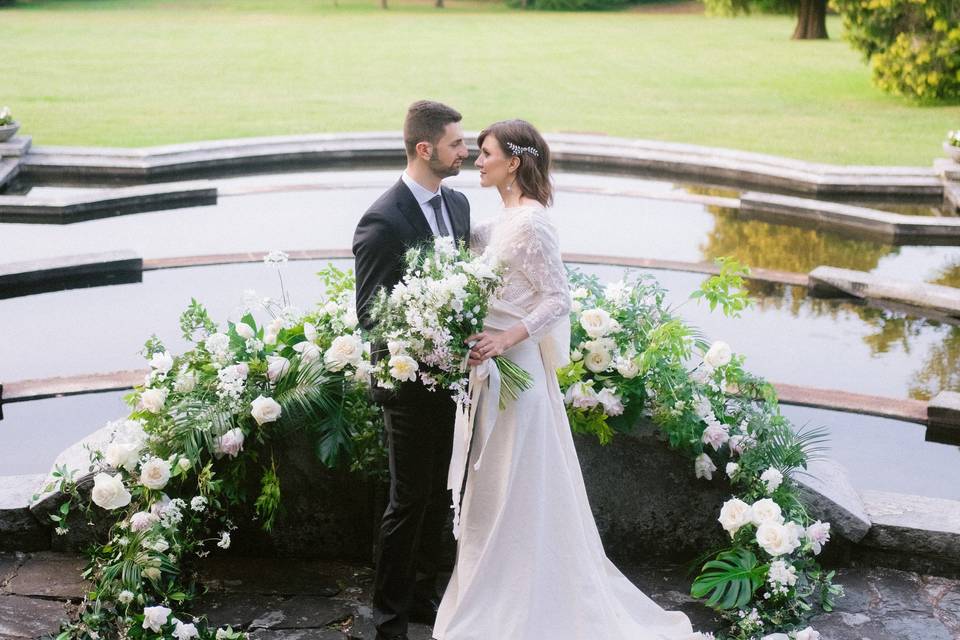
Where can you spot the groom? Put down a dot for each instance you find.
(419, 423)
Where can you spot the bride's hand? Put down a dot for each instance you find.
(486, 346)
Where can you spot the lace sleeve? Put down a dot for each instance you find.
(541, 263)
(480, 236)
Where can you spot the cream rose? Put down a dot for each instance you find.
(718, 355)
(265, 410)
(597, 360)
(345, 350)
(734, 514)
(808, 634)
(184, 631)
(612, 405)
(142, 520)
(715, 435)
(108, 492)
(230, 443)
(597, 323)
(186, 381)
(776, 539)
(403, 368)
(277, 367)
(153, 399)
(155, 617)
(161, 362)
(818, 534)
(122, 454)
(308, 351)
(766, 511)
(772, 478)
(244, 330)
(628, 368)
(154, 473)
(151, 573)
(581, 395)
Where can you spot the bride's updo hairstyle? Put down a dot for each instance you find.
(520, 138)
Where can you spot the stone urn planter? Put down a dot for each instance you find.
(952, 152)
(7, 131)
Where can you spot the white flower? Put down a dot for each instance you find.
(598, 358)
(732, 468)
(277, 367)
(628, 368)
(766, 511)
(396, 348)
(715, 435)
(309, 332)
(159, 545)
(224, 542)
(808, 634)
(265, 410)
(186, 381)
(579, 293)
(581, 395)
(734, 514)
(198, 503)
(617, 293)
(125, 597)
(152, 399)
(244, 330)
(718, 355)
(597, 323)
(154, 473)
(308, 351)
(155, 617)
(612, 405)
(275, 257)
(772, 478)
(184, 631)
(230, 443)
(345, 350)
(108, 492)
(142, 520)
(161, 362)
(122, 454)
(184, 463)
(151, 573)
(350, 319)
(217, 343)
(818, 534)
(703, 467)
(575, 306)
(782, 573)
(576, 355)
(776, 539)
(740, 443)
(403, 368)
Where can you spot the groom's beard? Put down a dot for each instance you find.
(442, 170)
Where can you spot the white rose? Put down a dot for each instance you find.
(576, 355)
(265, 410)
(715, 435)
(184, 464)
(230, 443)
(142, 520)
(161, 362)
(772, 478)
(734, 514)
(122, 454)
(403, 368)
(776, 539)
(350, 318)
(331, 307)
(579, 292)
(343, 351)
(808, 634)
(310, 332)
(308, 351)
(152, 400)
(277, 366)
(395, 347)
(612, 405)
(154, 473)
(186, 381)
(597, 322)
(184, 631)
(244, 330)
(718, 355)
(739, 443)
(818, 534)
(628, 368)
(598, 358)
(581, 395)
(703, 467)
(155, 617)
(732, 468)
(108, 492)
(575, 306)
(766, 511)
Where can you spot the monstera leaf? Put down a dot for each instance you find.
(730, 579)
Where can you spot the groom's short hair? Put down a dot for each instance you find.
(426, 122)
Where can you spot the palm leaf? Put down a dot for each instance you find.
(729, 581)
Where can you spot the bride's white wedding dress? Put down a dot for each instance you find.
(530, 562)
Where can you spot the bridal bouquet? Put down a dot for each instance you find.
(426, 320)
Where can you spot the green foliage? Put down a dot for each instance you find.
(726, 289)
(268, 502)
(729, 581)
(913, 46)
(195, 322)
(570, 5)
(737, 7)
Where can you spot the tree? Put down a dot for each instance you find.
(811, 14)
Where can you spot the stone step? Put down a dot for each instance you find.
(860, 284)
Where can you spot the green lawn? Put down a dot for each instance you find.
(145, 72)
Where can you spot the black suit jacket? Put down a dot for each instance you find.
(393, 224)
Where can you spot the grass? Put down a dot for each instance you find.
(145, 72)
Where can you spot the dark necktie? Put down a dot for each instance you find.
(441, 225)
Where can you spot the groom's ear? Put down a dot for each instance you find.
(424, 150)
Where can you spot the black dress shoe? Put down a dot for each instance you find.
(399, 636)
(424, 612)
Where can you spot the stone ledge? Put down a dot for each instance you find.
(69, 272)
(19, 528)
(860, 284)
(104, 203)
(914, 525)
(891, 227)
(830, 496)
(9, 169)
(16, 147)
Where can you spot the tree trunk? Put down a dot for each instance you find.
(439, 4)
(383, 4)
(811, 20)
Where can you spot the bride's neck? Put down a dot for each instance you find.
(512, 196)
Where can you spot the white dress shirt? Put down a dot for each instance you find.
(423, 196)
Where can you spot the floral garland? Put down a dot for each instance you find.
(205, 420)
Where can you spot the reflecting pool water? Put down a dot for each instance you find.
(595, 214)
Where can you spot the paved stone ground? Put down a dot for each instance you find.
(299, 599)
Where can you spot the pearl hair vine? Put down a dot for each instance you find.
(517, 150)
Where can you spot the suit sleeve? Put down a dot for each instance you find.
(375, 248)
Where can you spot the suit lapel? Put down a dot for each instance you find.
(459, 221)
(411, 210)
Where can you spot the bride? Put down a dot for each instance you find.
(530, 562)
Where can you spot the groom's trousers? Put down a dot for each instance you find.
(419, 432)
